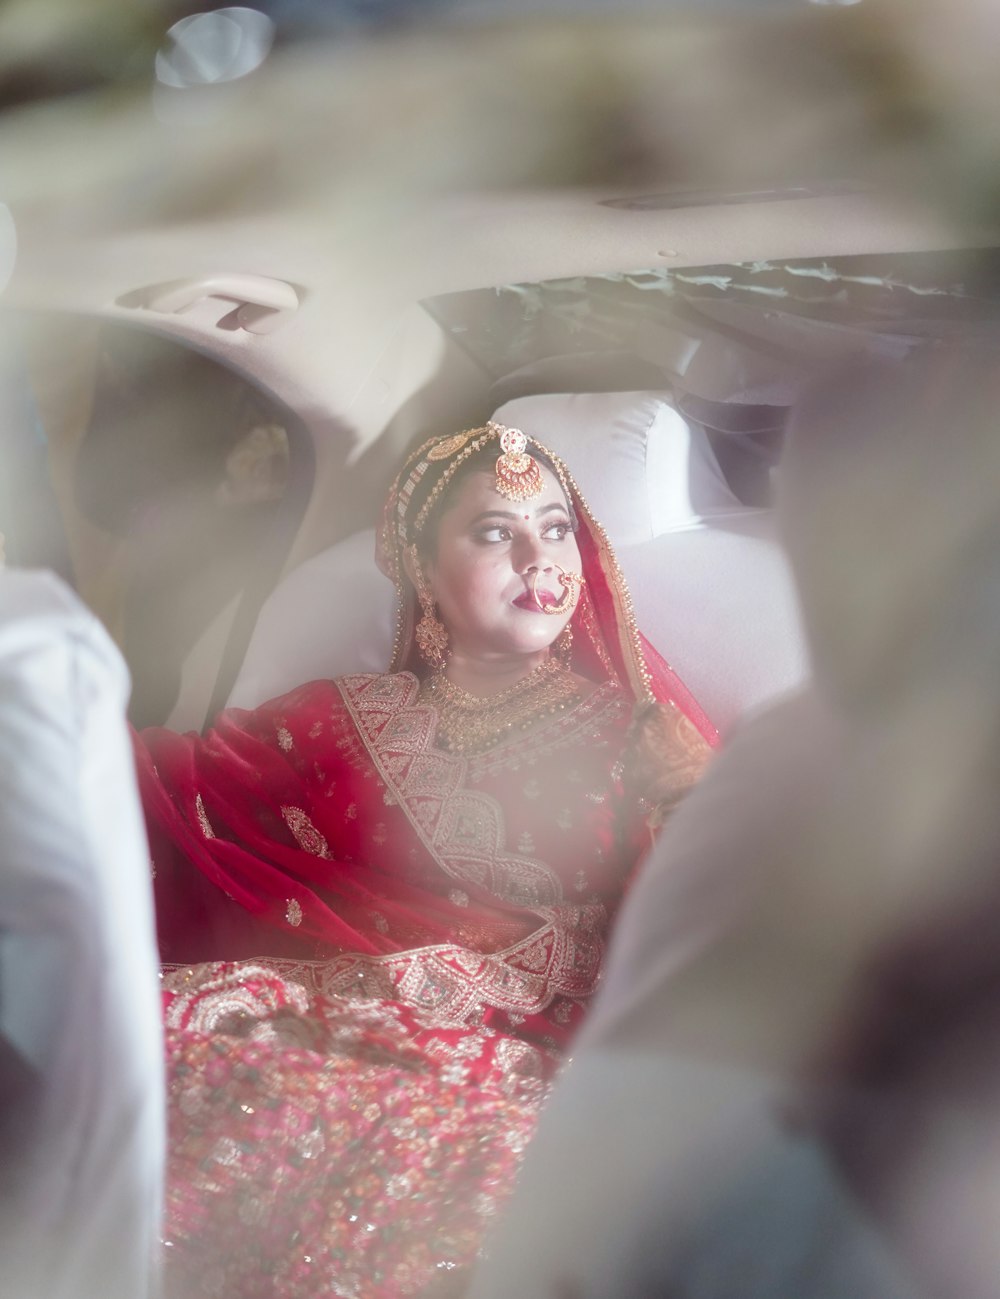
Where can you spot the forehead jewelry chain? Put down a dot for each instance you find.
(571, 584)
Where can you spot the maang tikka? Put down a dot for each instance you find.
(518, 476)
(429, 633)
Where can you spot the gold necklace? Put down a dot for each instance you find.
(474, 723)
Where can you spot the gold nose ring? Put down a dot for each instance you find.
(571, 583)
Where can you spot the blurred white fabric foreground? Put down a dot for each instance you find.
(79, 1018)
(665, 1163)
(789, 1083)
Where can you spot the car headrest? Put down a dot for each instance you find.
(643, 469)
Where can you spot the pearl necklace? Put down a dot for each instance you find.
(473, 723)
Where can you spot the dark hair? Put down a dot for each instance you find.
(482, 460)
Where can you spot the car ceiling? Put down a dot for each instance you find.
(372, 175)
(381, 171)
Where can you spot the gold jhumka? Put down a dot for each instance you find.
(471, 724)
(430, 633)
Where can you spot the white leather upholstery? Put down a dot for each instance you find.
(719, 603)
(78, 981)
(711, 584)
(331, 615)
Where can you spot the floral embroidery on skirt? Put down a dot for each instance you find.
(332, 1146)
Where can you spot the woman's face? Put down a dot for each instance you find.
(489, 551)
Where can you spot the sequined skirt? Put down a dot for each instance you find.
(326, 1146)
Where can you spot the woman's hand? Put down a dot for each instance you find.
(666, 755)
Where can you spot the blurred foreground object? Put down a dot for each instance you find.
(790, 1081)
(82, 1127)
(212, 47)
(8, 245)
(898, 95)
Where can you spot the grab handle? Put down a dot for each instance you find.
(262, 303)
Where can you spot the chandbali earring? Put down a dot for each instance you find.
(562, 646)
(429, 633)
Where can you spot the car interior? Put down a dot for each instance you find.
(233, 302)
(224, 329)
(666, 390)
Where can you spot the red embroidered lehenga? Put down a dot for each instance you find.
(409, 938)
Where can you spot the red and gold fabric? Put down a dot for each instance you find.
(378, 950)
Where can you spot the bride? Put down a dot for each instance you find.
(383, 900)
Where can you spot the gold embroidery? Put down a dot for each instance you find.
(464, 832)
(462, 829)
(285, 741)
(233, 997)
(306, 834)
(630, 642)
(590, 626)
(293, 912)
(203, 821)
(454, 983)
(667, 756)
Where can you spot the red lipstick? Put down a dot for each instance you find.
(527, 600)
